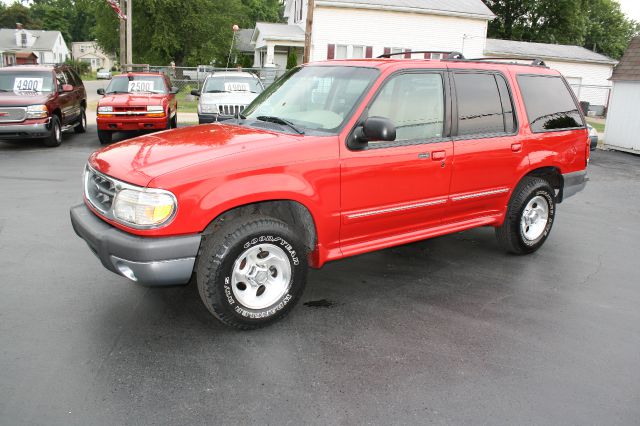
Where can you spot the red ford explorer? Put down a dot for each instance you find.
(333, 160)
(136, 101)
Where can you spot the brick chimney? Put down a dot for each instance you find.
(18, 26)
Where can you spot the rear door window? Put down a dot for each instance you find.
(549, 104)
(484, 104)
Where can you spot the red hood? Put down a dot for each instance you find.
(131, 99)
(141, 159)
(24, 99)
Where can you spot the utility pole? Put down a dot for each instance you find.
(129, 31)
(123, 34)
(308, 31)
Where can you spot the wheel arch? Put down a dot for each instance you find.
(552, 175)
(289, 211)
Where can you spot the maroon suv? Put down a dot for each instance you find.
(40, 101)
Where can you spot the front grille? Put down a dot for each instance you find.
(130, 108)
(12, 115)
(99, 189)
(230, 109)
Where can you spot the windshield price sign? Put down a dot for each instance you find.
(236, 87)
(140, 86)
(22, 84)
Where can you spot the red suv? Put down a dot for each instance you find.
(333, 160)
(39, 102)
(136, 101)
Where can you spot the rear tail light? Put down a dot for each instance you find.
(587, 151)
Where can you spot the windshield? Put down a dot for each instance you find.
(232, 84)
(26, 81)
(137, 84)
(313, 98)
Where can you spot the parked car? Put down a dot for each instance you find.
(199, 74)
(136, 101)
(103, 74)
(40, 102)
(226, 94)
(336, 159)
(593, 137)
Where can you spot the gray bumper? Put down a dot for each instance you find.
(18, 131)
(212, 118)
(149, 261)
(574, 183)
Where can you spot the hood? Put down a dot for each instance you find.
(233, 98)
(132, 99)
(24, 98)
(141, 159)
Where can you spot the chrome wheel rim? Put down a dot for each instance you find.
(84, 120)
(534, 218)
(261, 276)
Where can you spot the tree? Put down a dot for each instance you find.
(15, 13)
(595, 24)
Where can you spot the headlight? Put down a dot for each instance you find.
(37, 111)
(105, 109)
(155, 108)
(145, 208)
(593, 131)
(208, 108)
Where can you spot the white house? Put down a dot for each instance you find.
(344, 29)
(48, 46)
(91, 53)
(623, 118)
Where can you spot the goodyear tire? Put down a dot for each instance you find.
(252, 271)
(55, 139)
(530, 216)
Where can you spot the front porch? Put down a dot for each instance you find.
(273, 43)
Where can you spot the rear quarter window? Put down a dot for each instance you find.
(549, 104)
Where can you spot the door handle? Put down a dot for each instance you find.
(516, 147)
(438, 155)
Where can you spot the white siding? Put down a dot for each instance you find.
(382, 29)
(623, 118)
(594, 79)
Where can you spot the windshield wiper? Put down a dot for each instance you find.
(115, 92)
(217, 91)
(279, 120)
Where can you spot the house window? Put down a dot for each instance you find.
(357, 52)
(436, 56)
(23, 39)
(298, 17)
(341, 51)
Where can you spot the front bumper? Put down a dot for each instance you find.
(28, 129)
(574, 183)
(149, 261)
(593, 142)
(122, 123)
(212, 118)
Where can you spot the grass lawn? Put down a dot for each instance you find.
(185, 105)
(596, 125)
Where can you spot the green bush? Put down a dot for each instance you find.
(81, 67)
(292, 59)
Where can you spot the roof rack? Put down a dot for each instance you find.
(534, 61)
(450, 55)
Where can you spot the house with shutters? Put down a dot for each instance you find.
(43, 47)
(347, 29)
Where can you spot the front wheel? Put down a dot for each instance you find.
(105, 137)
(529, 218)
(55, 138)
(252, 272)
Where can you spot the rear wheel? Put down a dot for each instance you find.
(55, 139)
(105, 137)
(530, 216)
(252, 271)
(174, 121)
(81, 127)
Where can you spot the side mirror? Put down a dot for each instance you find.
(372, 130)
(67, 88)
(174, 90)
(101, 91)
(195, 93)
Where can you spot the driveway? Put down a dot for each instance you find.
(447, 331)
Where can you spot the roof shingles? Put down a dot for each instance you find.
(629, 67)
(544, 51)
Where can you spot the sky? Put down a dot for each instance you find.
(630, 7)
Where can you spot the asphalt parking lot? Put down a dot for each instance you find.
(445, 331)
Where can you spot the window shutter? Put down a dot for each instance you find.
(427, 55)
(331, 51)
(407, 53)
(369, 52)
(387, 50)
